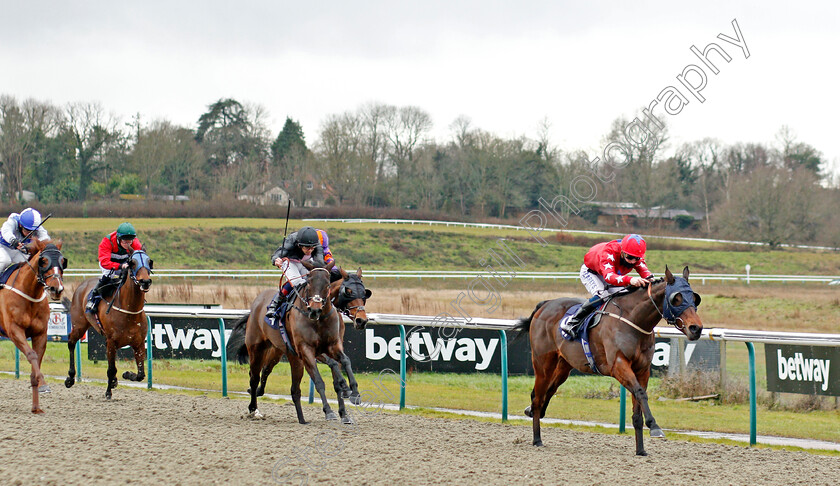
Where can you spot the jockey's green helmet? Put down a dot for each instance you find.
(126, 230)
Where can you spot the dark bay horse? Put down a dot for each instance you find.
(622, 345)
(313, 326)
(349, 296)
(24, 309)
(121, 316)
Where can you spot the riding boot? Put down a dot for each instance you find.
(96, 294)
(571, 326)
(273, 306)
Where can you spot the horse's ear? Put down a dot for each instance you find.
(343, 273)
(151, 264)
(696, 299)
(58, 244)
(64, 263)
(669, 277)
(359, 272)
(685, 272)
(367, 294)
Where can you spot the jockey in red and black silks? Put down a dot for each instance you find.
(114, 253)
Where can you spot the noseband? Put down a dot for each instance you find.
(54, 256)
(341, 300)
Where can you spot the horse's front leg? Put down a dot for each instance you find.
(18, 337)
(140, 359)
(111, 352)
(337, 352)
(339, 382)
(655, 431)
(622, 372)
(39, 344)
(355, 397)
(307, 354)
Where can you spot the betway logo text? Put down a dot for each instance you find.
(164, 336)
(421, 347)
(798, 368)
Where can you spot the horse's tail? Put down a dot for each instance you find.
(236, 341)
(524, 326)
(66, 303)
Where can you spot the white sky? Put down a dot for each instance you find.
(506, 65)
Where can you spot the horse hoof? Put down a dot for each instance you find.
(44, 389)
(641, 453)
(37, 411)
(538, 443)
(657, 433)
(69, 382)
(529, 413)
(127, 376)
(346, 420)
(256, 415)
(332, 416)
(355, 399)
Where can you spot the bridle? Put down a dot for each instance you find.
(141, 263)
(314, 299)
(341, 300)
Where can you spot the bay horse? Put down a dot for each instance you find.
(313, 326)
(622, 345)
(349, 295)
(25, 311)
(122, 319)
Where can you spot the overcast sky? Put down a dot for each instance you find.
(505, 65)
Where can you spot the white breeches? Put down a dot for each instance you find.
(595, 284)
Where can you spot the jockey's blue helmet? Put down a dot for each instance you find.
(30, 219)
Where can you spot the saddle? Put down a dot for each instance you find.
(590, 321)
(8, 272)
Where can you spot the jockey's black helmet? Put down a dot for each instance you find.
(307, 236)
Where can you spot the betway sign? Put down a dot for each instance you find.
(803, 369)
(173, 338)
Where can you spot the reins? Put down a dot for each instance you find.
(38, 278)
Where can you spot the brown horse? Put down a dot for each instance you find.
(349, 296)
(313, 326)
(24, 310)
(622, 345)
(122, 319)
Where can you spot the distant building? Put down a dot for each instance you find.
(630, 214)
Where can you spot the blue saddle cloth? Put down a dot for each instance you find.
(588, 322)
(279, 324)
(8, 273)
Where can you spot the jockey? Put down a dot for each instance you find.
(114, 252)
(300, 252)
(15, 233)
(605, 270)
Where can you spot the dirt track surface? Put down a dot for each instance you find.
(143, 437)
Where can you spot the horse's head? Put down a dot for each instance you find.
(140, 266)
(680, 307)
(352, 297)
(51, 265)
(317, 293)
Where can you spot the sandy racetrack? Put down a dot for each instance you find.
(152, 437)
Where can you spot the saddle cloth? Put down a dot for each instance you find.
(8, 272)
(589, 321)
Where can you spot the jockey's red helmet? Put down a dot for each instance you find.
(634, 245)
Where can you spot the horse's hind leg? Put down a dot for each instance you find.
(39, 344)
(561, 373)
(544, 369)
(75, 335)
(267, 369)
(140, 359)
(255, 356)
(342, 411)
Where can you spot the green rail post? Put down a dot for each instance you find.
(622, 409)
(751, 349)
(311, 390)
(149, 348)
(17, 362)
(504, 376)
(79, 360)
(223, 350)
(402, 367)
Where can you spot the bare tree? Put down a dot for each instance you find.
(93, 132)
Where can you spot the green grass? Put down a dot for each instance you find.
(248, 243)
(574, 400)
